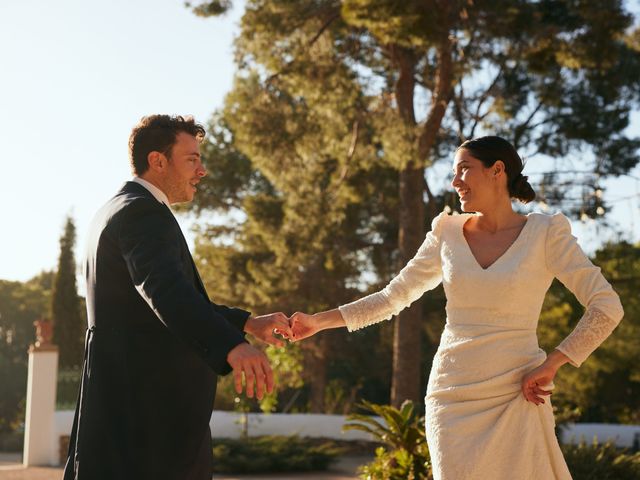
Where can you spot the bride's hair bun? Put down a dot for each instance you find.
(521, 189)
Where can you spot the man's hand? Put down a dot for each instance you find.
(264, 327)
(253, 363)
(303, 326)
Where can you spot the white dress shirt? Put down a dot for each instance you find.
(155, 191)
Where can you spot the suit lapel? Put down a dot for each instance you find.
(199, 281)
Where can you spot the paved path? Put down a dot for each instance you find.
(344, 469)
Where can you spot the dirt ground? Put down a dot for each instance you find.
(344, 469)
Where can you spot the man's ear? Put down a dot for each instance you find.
(156, 161)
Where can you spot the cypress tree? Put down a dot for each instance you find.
(68, 325)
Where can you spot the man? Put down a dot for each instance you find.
(156, 343)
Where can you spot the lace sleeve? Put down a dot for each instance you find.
(566, 260)
(592, 329)
(422, 273)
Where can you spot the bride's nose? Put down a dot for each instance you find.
(455, 181)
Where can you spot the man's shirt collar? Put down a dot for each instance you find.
(155, 191)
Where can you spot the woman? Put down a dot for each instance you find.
(486, 414)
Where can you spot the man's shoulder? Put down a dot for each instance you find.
(130, 202)
(133, 196)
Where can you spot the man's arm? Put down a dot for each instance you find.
(235, 316)
(152, 251)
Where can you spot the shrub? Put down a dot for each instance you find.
(601, 462)
(11, 442)
(272, 454)
(405, 455)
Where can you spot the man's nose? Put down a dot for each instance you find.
(201, 171)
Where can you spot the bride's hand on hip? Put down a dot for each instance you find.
(538, 382)
(535, 383)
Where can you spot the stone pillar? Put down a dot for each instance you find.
(40, 446)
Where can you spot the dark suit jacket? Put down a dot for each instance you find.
(154, 347)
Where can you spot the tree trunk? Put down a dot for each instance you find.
(315, 360)
(405, 383)
(407, 362)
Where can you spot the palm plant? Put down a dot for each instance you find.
(405, 455)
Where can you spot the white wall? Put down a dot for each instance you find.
(229, 425)
(621, 435)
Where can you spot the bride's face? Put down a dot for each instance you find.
(476, 185)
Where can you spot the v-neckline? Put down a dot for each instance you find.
(504, 254)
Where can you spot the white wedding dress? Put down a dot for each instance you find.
(478, 423)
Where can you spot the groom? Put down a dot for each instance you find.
(155, 342)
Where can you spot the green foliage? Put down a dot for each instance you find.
(210, 8)
(405, 455)
(67, 388)
(397, 465)
(272, 454)
(68, 323)
(290, 253)
(287, 373)
(21, 304)
(12, 442)
(554, 77)
(601, 462)
(333, 99)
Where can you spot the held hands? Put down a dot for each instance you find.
(295, 328)
(252, 364)
(302, 326)
(265, 326)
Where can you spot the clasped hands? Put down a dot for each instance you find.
(248, 361)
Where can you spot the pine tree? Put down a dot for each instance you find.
(345, 87)
(68, 325)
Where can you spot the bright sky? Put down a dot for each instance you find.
(76, 75)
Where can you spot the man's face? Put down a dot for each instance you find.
(184, 169)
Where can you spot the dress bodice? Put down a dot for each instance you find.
(509, 293)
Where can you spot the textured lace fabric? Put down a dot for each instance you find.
(593, 328)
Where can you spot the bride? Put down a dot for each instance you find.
(488, 414)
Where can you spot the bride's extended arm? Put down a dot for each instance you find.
(422, 273)
(304, 325)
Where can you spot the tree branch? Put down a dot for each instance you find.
(520, 129)
(457, 101)
(441, 95)
(483, 98)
